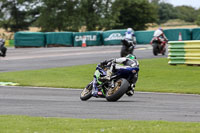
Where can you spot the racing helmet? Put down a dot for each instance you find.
(129, 30)
(161, 29)
(130, 56)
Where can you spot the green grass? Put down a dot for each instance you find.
(66, 77)
(155, 76)
(26, 124)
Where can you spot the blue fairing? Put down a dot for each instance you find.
(126, 73)
(101, 70)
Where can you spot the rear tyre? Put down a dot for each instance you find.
(164, 51)
(87, 92)
(3, 50)
(123, 51)
(155, 49)
(121, 87)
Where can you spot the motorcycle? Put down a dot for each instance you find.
(159, 45)
(3, 49)
(123, 79)
(127, 47)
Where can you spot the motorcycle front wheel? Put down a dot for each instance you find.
(87, 92)
(121, 87)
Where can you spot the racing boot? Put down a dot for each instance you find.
(131, 91)
(95, 92)
(94, 88)
(112, 84)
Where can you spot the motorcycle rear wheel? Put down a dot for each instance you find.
(124, 51)
(3, 50)
(121, 87)
(87, 92)
(155, 49)
(164, 51)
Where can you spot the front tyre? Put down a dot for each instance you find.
(121, 87)
(87, 92)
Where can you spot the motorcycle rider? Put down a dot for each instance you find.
(130, 37)
(108, 67)
(159, 33)
(163, 39)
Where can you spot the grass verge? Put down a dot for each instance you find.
(26, 124)
(155, 76)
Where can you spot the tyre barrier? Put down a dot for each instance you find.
(184, 52)
(29, 39)
(93, 38)
(56, 39)
(113, 37)
(9, 43)
(96, 38)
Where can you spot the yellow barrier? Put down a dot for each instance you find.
(7, 42)
(184, 52)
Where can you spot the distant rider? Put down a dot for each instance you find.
(129, 34)
(159, 33)
(108, 67)
(129, 39)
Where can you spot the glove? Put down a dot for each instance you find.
(114, 61)
(130, 48)
(103, 63)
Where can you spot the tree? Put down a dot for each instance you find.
(98, 14)
(155, 1)
(17, 14)
(186, 13)
(198, 20)
(136, 14)
(166, 11)
(62, 15)
(72, 15)
(91, 13)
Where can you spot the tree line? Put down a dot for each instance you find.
(72, 15)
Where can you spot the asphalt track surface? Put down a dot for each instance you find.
(39, 58)
(59, 102)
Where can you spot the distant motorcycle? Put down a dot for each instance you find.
(127, 47)
(159, 45)
(3, 49)
(123, 78)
